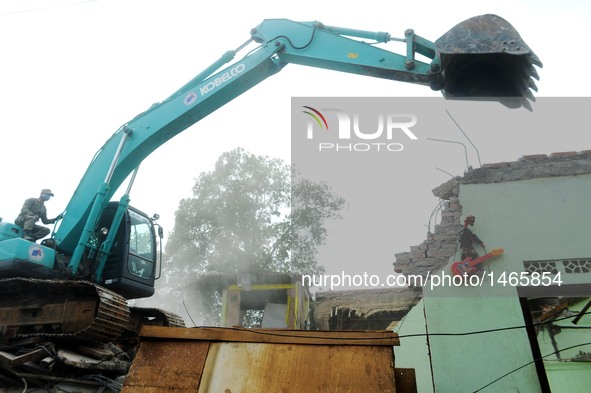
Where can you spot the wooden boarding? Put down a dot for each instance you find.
(207, 360)
(277, 336)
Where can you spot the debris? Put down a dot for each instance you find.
(57, 366)
(83, 362)
(582, 357)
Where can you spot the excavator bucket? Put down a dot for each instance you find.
(485, 56)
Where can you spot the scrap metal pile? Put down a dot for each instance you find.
(68, 336)
(53, 366)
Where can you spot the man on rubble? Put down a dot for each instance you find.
(467, 240)
(32, 211)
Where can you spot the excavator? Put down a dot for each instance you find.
(76, 283)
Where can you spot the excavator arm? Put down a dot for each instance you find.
(316, 45)
(312, 44)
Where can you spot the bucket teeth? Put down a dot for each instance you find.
(529, 95)
(531, 84)
(533, 73)
(535, 59)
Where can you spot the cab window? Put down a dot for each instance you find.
(141, 246)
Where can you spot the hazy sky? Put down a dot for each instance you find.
(74, 72)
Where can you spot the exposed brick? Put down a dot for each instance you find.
(445, 226)
(453, 204)
(446, 237)
(496, 165)
(564, 154)
(402, 255)
(440, 254)
(418, 249)
(451, 213)
(534, 157)
(447, 190)
(431, 262)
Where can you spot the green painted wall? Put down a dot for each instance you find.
(413, 352)
(538, 219)
(569, 377)
(534, 219)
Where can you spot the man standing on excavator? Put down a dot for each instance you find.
(467, 239)
(32, 211)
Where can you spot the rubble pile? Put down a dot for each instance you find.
(39, 365)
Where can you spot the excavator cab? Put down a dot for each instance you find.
(131, 266)
(485, 57)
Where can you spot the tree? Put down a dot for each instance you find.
(247, 216)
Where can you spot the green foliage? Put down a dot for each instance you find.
(247, 216)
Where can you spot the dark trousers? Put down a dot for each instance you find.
(30, 228)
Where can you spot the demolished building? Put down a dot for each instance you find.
(525, 325)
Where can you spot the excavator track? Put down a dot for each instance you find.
(155, 316)
(61, 309)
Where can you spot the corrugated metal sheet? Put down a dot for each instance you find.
(221, 360)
